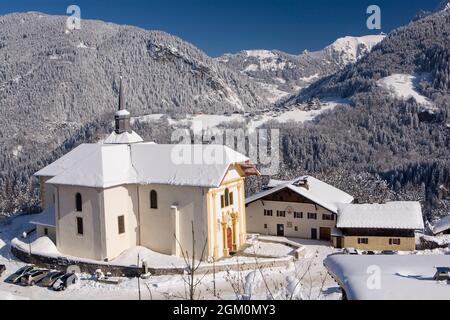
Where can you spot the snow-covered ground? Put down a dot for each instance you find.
(209, 121)
(391, 277)
(268, 249)
(404, 86)
(309, 272)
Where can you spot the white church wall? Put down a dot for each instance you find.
(156, 224)
(120, 201)
(89, 244)
(47, 193)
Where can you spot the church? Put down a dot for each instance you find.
(102, 199)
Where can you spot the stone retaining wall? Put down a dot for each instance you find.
(62, 263)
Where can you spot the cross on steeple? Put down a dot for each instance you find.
(121, 103)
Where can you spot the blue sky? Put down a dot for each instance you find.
(218, 27)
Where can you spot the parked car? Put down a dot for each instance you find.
(32, 277)
(350, 251)
(16, 276)
(2, 269)
(65, 281)
(389, 252)
(50, 278)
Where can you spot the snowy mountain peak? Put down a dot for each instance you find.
(281, 74)
(351, 49)
(261, 54)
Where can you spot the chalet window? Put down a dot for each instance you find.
(78, 202)
(265, 225)
(312, 216)
(80, 226)
(281, 213)
(231, 198)
(394, 241)
(268, 213)
(296, 228)
(298, 215)
(363, 241)
(121, 224)
(227, 197)
(153, 200)
(327, 217)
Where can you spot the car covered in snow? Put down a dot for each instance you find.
(16, 276)
(65, 281)
(2, 269)
(50, 278)
(33, 276)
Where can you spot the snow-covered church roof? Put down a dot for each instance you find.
(390, 215)
(121, 138)
(315, 190)
(123, 158)
(107, 165)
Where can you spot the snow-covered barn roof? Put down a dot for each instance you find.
(317, 191)
(441, 225)
(390, 215)
(404, 277)
(107, 165)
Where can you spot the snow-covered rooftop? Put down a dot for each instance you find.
(402, 277)
(318, 191)
(123, 138)
(107, 165)
(441, 225)
(46, 218)
(122, 112)
(390, 215)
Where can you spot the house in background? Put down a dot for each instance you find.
(441, 226)
(303, 208)
(388, 226)
(102, 199)
(311, 209)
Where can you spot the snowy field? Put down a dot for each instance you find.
(404, 86)
(205, 121)
(304, 279)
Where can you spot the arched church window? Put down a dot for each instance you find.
(153, 200)
(78, 202)
(227, 197)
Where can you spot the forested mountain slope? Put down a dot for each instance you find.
(388, 133)
(423, 46)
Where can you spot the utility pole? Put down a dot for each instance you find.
(25, 235)
(139, 278)
(214, 276)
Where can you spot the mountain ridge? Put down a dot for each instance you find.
(282, 74)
